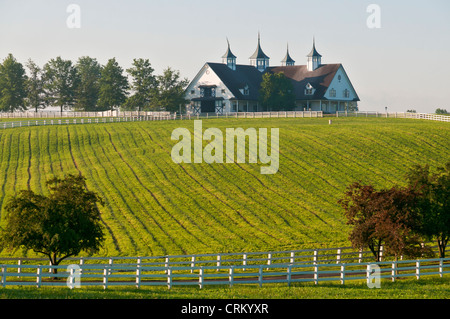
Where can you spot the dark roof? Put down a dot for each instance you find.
(234, 80)
(259, 54)
(320, 78)
(247, 75)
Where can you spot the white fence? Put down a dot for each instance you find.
(226, 268)
(140, 274)
(253, 115)
(156, 116)
(97, 120)
(407, 115)
(74, 114)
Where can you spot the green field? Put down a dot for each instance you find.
(156, 207)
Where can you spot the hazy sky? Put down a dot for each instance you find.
(404, 64)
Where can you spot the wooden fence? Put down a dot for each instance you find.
(226, 268)
(141, 274)
(408, 115)
(151, 117)
(74, 114)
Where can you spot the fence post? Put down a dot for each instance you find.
(192, 264)
(169, 278)
(394, 270)
(260, 275)
(231, 276)
(38, 277)
(338, 256)
(269, 260)
(316, 274)
(219, 262)
(360, 255)
(105, 277)
(315, 256)
(138, 273)
(244, 260)
(418, 269)
(440, 268)
(3, 277)
(289, 274)
(19, 269)
(342, 274)
(166, 264)
(200, 278)
(292, 260)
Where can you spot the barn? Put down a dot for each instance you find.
(231, 87)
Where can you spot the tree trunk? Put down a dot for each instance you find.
(442, 243)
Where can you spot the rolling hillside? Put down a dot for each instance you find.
(154, 206)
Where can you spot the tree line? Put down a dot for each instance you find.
(89, 86)
(401, 218)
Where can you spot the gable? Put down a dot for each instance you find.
(339, 85)
(207, 77)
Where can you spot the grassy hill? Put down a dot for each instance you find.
(154, 206)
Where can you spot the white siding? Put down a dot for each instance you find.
(340, 86)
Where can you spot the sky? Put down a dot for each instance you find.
(396, 57)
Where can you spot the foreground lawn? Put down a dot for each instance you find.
(425, 288)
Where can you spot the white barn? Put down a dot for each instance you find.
(231, 87)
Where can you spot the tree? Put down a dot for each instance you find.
(276, 92)
(113, 86)
(433, 204)
(144, 85)
(12, 85)
(60, 83)
(170, 93)
(35, 87)
(441, 111)
(383, 217)
(87, 92)
(59, 225)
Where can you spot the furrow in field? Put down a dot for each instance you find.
(139, 177)
(236, 217)
(138, 214)
(169, 189)
(87, 164)
(210, 190)
(122, 211)
(203, 207)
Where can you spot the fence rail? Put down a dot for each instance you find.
(73, 114)
(139, 274)
(424, 116)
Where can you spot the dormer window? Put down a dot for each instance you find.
(309, 90)
(245, 90)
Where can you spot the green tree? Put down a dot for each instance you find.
(59, 225)
(12, 85)
(35, 87)
(276, 92)
(441, 111)
(60, 83)
(144, 85)
(113, 86)
(433, 203)
(170, 93)
(88, 90)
